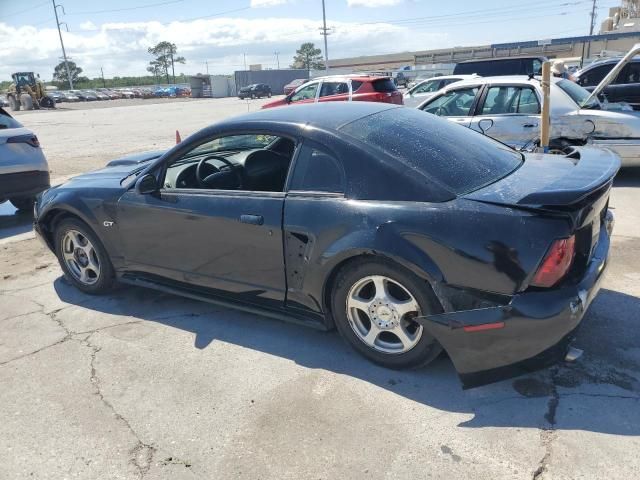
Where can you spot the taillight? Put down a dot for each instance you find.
(556, 263)
(30, 139)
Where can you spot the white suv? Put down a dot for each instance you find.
(24, 171)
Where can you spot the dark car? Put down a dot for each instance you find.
(492, 67)
(257, 90)
(625, 87)
(408, 233)
(293, 84)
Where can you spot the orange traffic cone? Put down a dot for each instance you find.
(178, 139)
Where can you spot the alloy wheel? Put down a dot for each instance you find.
(382, 313)
(80, 257)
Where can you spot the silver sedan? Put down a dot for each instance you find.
(508, 109)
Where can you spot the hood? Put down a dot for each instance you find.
(245, 89)
(553, 180)
(136, 158)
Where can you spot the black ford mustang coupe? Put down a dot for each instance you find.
(407, 233)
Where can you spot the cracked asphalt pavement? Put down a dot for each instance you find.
(141, 384)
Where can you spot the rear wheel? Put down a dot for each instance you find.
(83, 258)
(374, 306)
(23, 204)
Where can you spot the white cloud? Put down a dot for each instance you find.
(121, 48)
(88, 26)
(266, 3)
(373, 3)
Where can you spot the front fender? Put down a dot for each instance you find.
(92, 210)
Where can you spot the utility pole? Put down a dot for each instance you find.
(173, 68)
(104, 85)
(206, 62)
(244, 57)
(64, 53)
(592, 25)
(325, 32)
(277, 58)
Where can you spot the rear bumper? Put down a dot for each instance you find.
(532, 332)
(23, 184)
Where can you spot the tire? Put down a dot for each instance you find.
(387, 349)
(47, 102)
(26, 101)
(23, 204)
(269, 95)
(72, 238)
(14, 104)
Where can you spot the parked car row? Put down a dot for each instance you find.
(101, 94)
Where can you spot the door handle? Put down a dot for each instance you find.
(530, 125)
(252, 219)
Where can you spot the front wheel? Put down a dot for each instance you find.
(375, 305)
(83, 258)
(14, 104)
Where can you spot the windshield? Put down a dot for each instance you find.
(232, 143)
(578, 94)
(456, 157)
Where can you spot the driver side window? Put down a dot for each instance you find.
(454, 103)
(249, 162)
(305, 93)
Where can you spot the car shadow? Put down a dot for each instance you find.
(13, 222)
(521, 402)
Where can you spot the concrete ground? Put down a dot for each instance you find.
(139, 384)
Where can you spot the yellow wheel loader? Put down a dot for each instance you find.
(28, 92)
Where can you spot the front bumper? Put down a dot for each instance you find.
(532, 331)
(23, 184)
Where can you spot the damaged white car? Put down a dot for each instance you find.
(508, 109)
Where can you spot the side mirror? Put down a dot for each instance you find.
(147, 184)
(484, 125)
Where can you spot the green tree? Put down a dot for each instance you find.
(60, 74)
(309, 57)
(165, 54)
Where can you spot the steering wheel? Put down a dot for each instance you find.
(205, 178)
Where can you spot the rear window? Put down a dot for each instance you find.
(355, 85)
(454, 156)
(6, 121)
(384, 85)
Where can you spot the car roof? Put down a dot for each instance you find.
(500, 80)
(364, 78)
(326, 116)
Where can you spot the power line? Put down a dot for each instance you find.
(150, 5)
(25, 10)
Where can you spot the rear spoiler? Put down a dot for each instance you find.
(552, 181)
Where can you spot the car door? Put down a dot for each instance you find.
(305, 94)
(508, 113)
(226, 240)
(456, 105)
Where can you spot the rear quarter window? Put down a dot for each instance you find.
(384, 85)
(450, 155)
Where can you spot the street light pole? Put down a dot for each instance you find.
(325, 32)
(64, 53)
(277, 54)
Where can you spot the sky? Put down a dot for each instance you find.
(114, 35)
